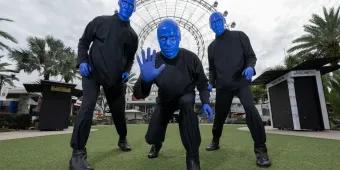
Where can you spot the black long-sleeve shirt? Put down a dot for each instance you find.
(228, 55)
(114, 44)
(181, 76)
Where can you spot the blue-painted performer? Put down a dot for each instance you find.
(231, 68)
(107, 62)
(176, 72)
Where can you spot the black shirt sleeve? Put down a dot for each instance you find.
(130, 51)
(201, 81)
(85, 41)
(212, 69)
(141, 89)
(249, 55)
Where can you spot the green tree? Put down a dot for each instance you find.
(322, 36)
(7, 36)
(332, 95)
(260, 93)
(47, 55)
(131, 82)
(6, 75)
(67, 66)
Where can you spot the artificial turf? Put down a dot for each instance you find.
(236, 153)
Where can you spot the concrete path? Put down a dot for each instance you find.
(326, 134)
(33, 133)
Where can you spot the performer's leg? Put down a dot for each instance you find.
(115, 97)
(189, 130)
(253, 118)
(83, 122)
(255, 125)
(222, 109)
(157, 127)
(82, 126)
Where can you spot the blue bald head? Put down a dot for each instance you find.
(169, 37)
(126, 8)
(217, 22)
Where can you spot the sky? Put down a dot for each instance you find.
(270, 24)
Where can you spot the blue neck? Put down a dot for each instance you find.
(122, 18)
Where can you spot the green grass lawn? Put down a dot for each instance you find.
(286, 152)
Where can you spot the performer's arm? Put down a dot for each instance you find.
(212, 68)
(130, 50)
(248, 52)
(201, 81)
(85, 41)
(141, 89)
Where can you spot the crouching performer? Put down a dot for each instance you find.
(176, 72)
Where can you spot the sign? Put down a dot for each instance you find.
(61, 89)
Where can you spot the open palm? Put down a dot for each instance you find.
(147, 66)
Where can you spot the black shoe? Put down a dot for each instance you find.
(262, 159)
(123, 145)
(78, 161)
(154, 151)
(213, 146)
(193, 163)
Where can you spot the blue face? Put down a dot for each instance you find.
(126, 8)
(169, 37)
(217, 22)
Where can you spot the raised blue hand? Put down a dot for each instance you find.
(125, 77)
(248, 73)
(84, 69)
(147, 66)
(210, 87)
(208, 111)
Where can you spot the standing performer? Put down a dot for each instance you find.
(231, 67)
(176, 72)
(108, 63)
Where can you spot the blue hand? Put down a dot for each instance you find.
(125, 77)
(147, 68)
(248, 73)
(84, 69)
(210, 87)
(208, 111)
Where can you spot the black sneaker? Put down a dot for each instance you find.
(262, 159)
(193, 163)
(78, 161)
(213, 146)
(154, 151)
(123, 145)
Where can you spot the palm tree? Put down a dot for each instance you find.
(67, 66)
(332, 94)
(7, 36)
(47, 55)
(292, 61)
(259, 92)
(322, 36)
(131, 82)
(5, 78)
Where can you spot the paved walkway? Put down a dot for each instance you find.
(326, 134)
(33, 133)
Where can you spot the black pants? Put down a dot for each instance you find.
(115, 97)
(188, 124)
(254, 122)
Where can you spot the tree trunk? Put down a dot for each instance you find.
(46, 76)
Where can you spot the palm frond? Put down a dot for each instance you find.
(7, 36)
